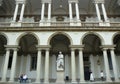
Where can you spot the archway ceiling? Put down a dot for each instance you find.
(58, 6)
(92, 44)
(28, 44)
(59, 43)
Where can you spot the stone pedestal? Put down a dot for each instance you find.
(60, 77)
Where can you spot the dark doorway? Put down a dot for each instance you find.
(87, 73)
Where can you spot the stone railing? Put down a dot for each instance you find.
(62, 24)
(5, 24)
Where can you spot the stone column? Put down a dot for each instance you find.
(70, 11)
(38, 66)
(73, 66)
(49, 11)
(5, 67)
(13, 67)
(77, 11)
(81, 64)
(104, 12)
(114, 64)
(46, 79)
(98, 12)
(15, 12)
(22, 12)
(42, 11)
(107, 71)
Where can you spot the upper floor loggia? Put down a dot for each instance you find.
(34, 13)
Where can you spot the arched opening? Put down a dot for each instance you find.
(92, 54)
(27, 55)
(116, 41)
(3, 41)
(60, 43)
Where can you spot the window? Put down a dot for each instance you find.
(10, 62)
(33, 63)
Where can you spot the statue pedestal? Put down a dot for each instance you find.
(60, 77)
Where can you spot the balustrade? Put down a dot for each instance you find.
(67, 23)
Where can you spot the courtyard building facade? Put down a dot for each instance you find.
(60, 41)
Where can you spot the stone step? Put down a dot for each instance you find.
(66, 83)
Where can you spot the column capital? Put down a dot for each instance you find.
(72, 1)
(46, 1)
(76, 47)
(20, 1)
(98, 1)
(108, 46)
(43, 47)
(12, 47)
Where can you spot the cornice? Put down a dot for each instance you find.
(108, 46)
(60, 28)
(76, 47)
(43, 47)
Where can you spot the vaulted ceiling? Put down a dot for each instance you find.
(33, 7)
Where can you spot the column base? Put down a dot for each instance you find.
(74, 82)
(46, 82)
(116, 79)
(36, 83)
(108, 81)
(3, 80)
(82, 81)
(11, 81)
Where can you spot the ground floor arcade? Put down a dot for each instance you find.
(36, 53)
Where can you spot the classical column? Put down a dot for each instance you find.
(114, 65)
(5, 67)
(13, 67)
(70, 11)
(73, 66)
(22, 12)
(77, 11)
(81, 64)
(107, 71)
(104, 12)
(98, 12)
(46, 79)
(38, 66)
(16, 11)
(49, 11)
(42, 11)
